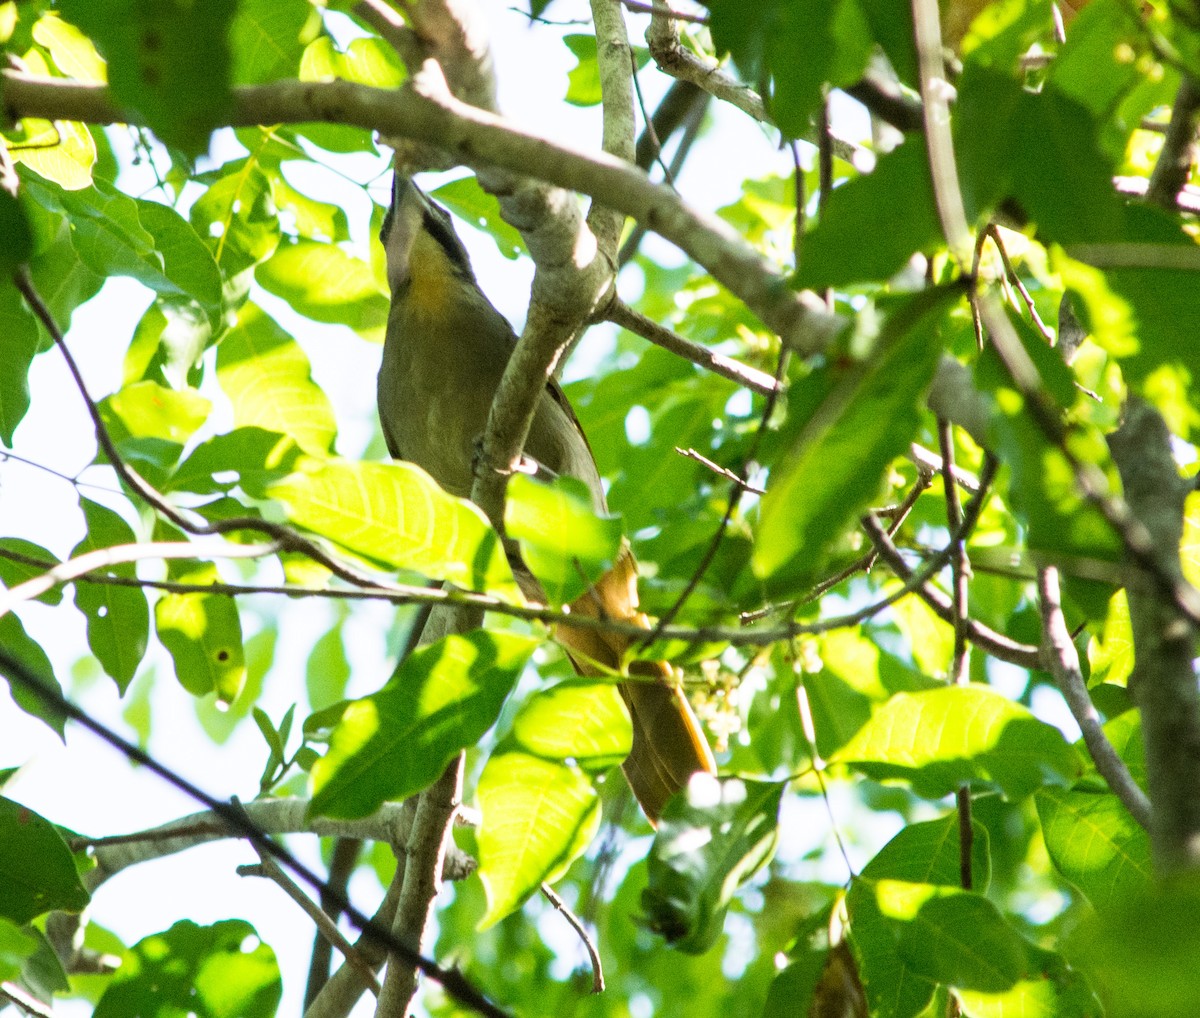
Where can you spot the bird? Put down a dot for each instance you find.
(445, 350)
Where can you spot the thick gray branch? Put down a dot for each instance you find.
(390, 824)
(481, 139)
(1163, 683)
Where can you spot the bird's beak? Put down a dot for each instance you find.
(400, 227)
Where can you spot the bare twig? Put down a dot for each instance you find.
(641, 8)
(101, 558)
(1062, 659)
(389, 824)
(960, 673)
(993, 231)
(268, 868)
(26, 1001)
(581, 931)
(620, 313)
(721, 471)
(342, 861)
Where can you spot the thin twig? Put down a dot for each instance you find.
(721, 471)
(867, 562)
(734, 500)
(581, 931)
(25, 1000)
(342, 862)
(642, 8)
(91, 561)
(993, 231)
(269, 869)
(959, 669)
(1063, 661)
(620, 313)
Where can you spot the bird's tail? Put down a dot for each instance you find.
(668, 743)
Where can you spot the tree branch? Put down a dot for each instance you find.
(620, 313)
(1163, 683)
(90, 561)
(479, 139)
(326, 927)
(425, 855)
(390, 824)
(1058, 650)
(1174, 164)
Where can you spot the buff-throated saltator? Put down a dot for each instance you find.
(445, 350)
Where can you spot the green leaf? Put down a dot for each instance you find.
(118, 618)
(237, 216)
(396, 515)
(219, 722)
(1141, 952)
(564, 543)
(764, 39)
(28, 652)
(268, 378)
(954, 937)
(834, 252)
(710, 840)
(1054, 989)
(323, 283)
(1110, 652)
(115, 235)
(147, 410)
(43, 973)
(540, 810)
(167, 59)
(327, 671)
(579, 721)
(366, 61)
(16, 947)
(18, 234)
(187, 261)
(203, 633)
(472, 204)
(941, 739)
(583, 80)
(922, 855)
(1095, 844)
(218, 971)
(18, 344)
(865, 415)
(396, 742)
(13, 572)
(72, 51)
(930, 852)
(538, 817)
(37, 871)
(267, 39)
(312, 218)
(251, 455)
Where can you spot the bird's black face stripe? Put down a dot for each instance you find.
(440, 227)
